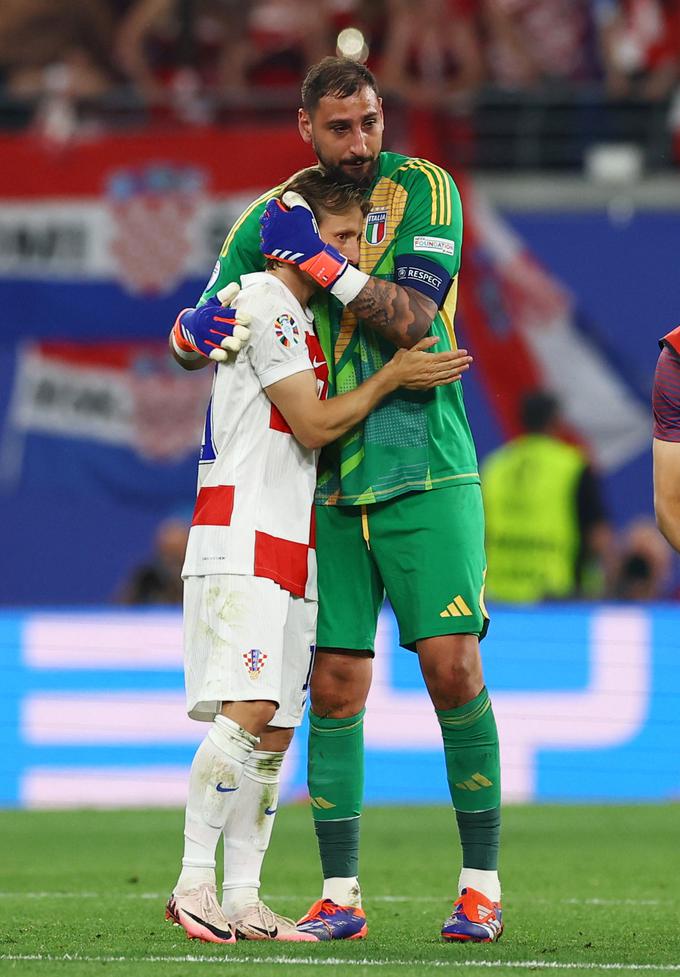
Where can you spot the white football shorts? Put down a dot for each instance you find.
(246, 639)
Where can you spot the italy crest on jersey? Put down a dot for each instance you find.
(254, 661)
(287, 330)
(376, 226)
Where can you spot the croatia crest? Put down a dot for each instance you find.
(154, 210)
(287, 330)
(254, 661)
(376, 226)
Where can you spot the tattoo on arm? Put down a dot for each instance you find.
(402, 315)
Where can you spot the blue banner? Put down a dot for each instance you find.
(585, 699)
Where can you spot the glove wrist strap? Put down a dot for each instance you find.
(183, 349)
(349, 284)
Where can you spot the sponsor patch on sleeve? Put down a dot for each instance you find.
(415, 271)
(215, 275)
(287, 330)
(440, 245)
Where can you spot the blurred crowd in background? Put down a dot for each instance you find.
(198, 61)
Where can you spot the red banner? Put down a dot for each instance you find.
(235, 159)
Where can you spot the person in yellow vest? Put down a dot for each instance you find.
(547, 535)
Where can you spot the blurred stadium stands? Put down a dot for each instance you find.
(132, 133)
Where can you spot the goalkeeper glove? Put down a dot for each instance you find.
(290, 234)
(213, 330)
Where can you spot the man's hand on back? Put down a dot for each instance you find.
(213, 330)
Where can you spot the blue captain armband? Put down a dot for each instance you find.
(425, 276)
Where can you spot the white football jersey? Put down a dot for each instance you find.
(254, 511)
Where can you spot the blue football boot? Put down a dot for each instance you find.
(328, 921)
(474, 919)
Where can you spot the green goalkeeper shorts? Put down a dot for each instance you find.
(425, 550)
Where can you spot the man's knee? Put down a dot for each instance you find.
(275, 739)
(452, 669)
(253, 716)
(340, 684)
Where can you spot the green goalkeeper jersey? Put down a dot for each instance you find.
(415, 440)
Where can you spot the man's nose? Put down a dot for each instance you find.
(358, 144)
(352, 252)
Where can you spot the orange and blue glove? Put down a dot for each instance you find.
(289, 233)
(213, 330)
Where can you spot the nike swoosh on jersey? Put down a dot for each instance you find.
(317, 365)
(269, 810)
(225, 790)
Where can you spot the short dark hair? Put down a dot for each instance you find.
(324, 195)
(539, 409)
(338, 77)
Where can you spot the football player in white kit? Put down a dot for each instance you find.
(250, 595)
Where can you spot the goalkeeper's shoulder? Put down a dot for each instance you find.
(245, 231)
(429, 186)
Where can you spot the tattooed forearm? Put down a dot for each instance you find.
(402, 315)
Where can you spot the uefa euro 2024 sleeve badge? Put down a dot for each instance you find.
(254, 661)
(287, 330)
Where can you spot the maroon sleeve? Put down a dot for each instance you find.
(666, 397)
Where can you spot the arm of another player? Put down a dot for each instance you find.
(667, 489)
(316, 423)
(666, 446)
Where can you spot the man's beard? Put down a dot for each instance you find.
(341, 176)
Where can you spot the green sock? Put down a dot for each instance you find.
(473, 772)
(335, 777)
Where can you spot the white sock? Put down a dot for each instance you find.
(343, 892)
(248, 831)
(214, 786)
(485, 882)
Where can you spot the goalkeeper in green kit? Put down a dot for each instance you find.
(398, 506)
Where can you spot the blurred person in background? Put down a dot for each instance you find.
(432, 65)
(164, 46)
(220, 46)
(532, 42)
(640, 47)
(666, 444)
(64, 44)
(547, 533)
(284, 38)
(159, 581)
(644, 563)
(431, 52)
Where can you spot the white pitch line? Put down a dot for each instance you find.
(343, 961)
(301, 897)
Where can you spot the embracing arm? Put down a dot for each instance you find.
(401, 315)
(316, 423)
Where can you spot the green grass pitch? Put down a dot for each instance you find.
(586, 889)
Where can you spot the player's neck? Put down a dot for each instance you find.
(296, 281)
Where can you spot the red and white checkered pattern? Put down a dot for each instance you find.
(254, 510)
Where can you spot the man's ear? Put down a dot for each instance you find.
(305, 125)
